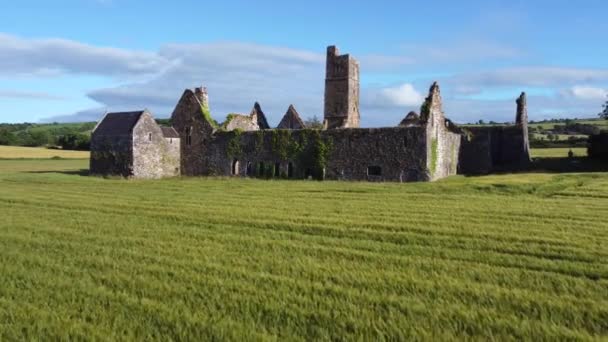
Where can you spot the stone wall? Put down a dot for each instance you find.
(172, 159)
(148, 149)
(442, 142)
(377, 154)
(195, 132)
(242, 122)
(497, 148)
(488, 149)
(111, 155)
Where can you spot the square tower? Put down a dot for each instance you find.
(341, 91)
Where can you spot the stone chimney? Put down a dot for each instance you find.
(202, 96)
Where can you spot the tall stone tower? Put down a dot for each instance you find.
(341, 91)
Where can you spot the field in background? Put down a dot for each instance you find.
(18, 152)
(506, 256)
(557, 152)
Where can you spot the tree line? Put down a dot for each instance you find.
(66, 136)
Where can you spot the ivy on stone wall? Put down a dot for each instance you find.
(259, 141)
(434, 156)
(281, 140)
(235, 149)
(207, 117)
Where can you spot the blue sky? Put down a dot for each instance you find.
(72, 60)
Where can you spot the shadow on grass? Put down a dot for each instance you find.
(81, 172)
(567, 165)
(553, 165)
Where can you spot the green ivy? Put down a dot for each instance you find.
(235, 149)
(434, 156)
(259, 141)
(208, 118)
(281, 139)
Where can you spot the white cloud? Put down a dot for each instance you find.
(44, 57)
(238, 74)
(588, 93)
(403, 95)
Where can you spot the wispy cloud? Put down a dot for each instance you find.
(17, 94)
(49, 57)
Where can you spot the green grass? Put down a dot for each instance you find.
(603, 124)
(497, 257)
(18, 152)
(557, 152)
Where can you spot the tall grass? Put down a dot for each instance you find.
(496, 257)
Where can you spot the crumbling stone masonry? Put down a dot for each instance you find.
(341, 91)
(423, 147)
(133, 145)
(425, 150)
(497, 148)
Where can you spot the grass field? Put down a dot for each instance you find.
(18, 152)
(497, 257)
(557, 152)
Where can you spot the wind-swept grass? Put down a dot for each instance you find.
(497, 257)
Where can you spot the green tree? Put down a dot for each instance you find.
(313, 123)
(604, 113)
(7, 138)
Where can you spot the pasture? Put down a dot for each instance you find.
(560, 152)
(18, 152)
(521, 256)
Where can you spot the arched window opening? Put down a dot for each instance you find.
(149, 136)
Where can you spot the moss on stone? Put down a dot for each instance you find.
(207, 117)
(434, 156)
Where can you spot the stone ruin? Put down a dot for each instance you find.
(423, 147)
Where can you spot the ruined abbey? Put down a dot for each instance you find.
(423, 147)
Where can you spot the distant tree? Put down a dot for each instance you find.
(36, 138)
(313, 122)
(550, 136)
(604, 113)
(74, 142)
(7, 138)
(480, 122)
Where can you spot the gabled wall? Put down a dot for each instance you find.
(195, 131)
(442, 143)
(153, 158)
